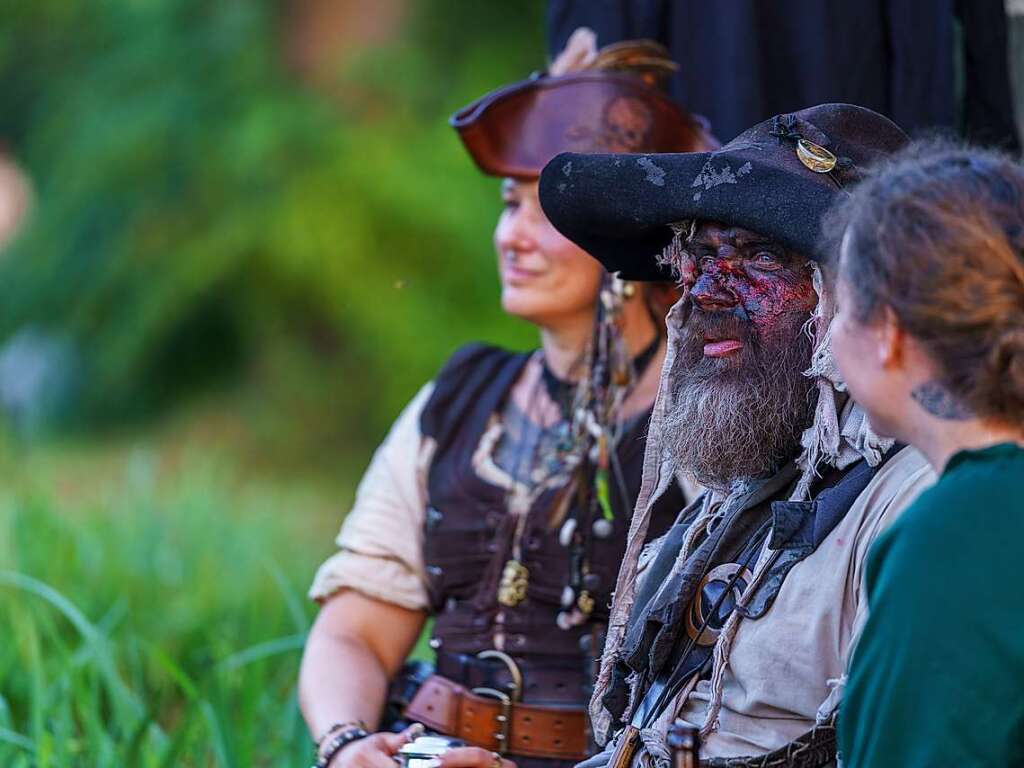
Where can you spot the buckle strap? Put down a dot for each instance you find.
(491, 719)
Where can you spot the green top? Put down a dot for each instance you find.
(937, 677)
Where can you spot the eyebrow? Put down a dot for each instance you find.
(740, 241)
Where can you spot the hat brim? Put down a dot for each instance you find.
(618, 207)
(515, 130)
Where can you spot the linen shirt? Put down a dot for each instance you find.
(381, 541)
(788, 666)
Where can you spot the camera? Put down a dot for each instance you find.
(416, 753)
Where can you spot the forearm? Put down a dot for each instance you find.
(340, 680)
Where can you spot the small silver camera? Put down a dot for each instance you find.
(416, 753)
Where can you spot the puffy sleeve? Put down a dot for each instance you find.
(380, 546)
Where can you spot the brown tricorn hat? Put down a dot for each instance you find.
(613, 104)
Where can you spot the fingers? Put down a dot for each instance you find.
(375, 751)
(471, 757)
(395, 741)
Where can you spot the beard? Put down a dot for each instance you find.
(740, 416)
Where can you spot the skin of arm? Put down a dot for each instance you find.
(356, 646)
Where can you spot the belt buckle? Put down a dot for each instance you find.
(504, 719)
(506, 700)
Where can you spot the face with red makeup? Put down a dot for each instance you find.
(740, 399)
(747, 289)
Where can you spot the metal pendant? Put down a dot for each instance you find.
(514, 580)
(585, 602)
(815, 157)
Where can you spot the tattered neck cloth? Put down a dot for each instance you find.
(834, 440)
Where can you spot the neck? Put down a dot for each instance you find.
(565, 345)
(939, 439)
(638, 330)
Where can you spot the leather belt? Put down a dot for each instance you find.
(489, 718)
(559, 680)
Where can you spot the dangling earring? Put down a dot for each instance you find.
(619, 289)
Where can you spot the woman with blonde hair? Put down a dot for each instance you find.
(499, 503)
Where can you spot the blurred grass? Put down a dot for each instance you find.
(152, 602)
(255, 270)
(198, 201)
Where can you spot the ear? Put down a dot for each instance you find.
(890, 340)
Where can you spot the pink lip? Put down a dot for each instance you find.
(513, 274)
(722, 348)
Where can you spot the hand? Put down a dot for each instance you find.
(470, 757)
(375, 751)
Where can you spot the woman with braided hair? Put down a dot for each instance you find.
(499, 503)
(929, 336)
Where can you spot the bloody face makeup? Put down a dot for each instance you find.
(740, 400)
(742, 273)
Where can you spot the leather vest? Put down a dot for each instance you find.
(469, 533)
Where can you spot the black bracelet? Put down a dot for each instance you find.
(335, 727)
(338, 743)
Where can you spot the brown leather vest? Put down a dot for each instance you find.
(468, 540)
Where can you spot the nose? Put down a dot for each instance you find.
(513, 233)
(710, 293)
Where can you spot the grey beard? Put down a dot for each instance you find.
(730, 420)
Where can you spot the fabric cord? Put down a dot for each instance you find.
(823, 443)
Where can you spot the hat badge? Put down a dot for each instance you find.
(815, 157)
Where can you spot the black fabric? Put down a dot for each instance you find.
(617, 207)
(742, 61)
(657, 623)
(468, 534)
(656, 630)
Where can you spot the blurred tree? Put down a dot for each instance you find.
(199, 203)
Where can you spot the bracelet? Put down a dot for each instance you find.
(337, 727)
(327, 753)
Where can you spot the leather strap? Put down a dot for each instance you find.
(534, 730)
(815, 749)
(558, 681)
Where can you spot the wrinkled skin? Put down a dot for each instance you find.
(749, 276)
(739, 399)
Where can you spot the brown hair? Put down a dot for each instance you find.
(936, 233)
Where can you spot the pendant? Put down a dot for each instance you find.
(514, 580)
(585, 603)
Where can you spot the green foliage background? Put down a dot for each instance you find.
(201, 211)
(257, 273)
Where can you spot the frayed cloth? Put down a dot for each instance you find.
(839, 436)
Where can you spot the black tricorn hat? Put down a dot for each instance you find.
(777, 178)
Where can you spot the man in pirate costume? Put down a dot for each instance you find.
(740, 621)
(499, 503)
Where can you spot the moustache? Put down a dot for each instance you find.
(701, 327)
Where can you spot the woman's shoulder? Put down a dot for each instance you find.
(473, 371)
(474, 355)
(970, 514)
(975, 484)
